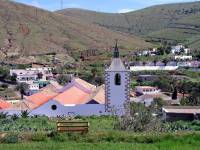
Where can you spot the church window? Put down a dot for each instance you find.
(117, 79)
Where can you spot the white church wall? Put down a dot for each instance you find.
(117, 95)
(61, 110)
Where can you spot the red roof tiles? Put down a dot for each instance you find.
(4, 104)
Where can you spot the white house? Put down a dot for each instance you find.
(34, 87)
(153, 68)
(45, 71)
(146, 90)
(179, 48)
(22, 75)
(182, 57)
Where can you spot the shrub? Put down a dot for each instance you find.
(5, 86)
(3, 115)
(11, 138)
(176, 126)
(14, 117)
(24, 114)
(38, 137)
(58, 137)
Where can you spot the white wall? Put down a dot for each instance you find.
(83, 110)
(152, 68)
(117, 95)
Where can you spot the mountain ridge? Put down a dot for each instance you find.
(151, 22)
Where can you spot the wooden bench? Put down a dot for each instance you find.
(72, 126)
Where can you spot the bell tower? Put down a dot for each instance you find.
(117, 85)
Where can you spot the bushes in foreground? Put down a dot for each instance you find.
(112, 137)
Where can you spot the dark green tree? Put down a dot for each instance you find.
(22, 88)
(175, 94)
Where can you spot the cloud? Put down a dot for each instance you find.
(35, 3)
(125, 10)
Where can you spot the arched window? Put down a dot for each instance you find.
(117, 79)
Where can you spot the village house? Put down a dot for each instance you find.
(148, 99)
(147, 94)
(186, 113)
(141, 90)
(34, 77)
(182, 57)
(180, 49)
(27, 76)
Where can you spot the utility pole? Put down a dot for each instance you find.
(61, 4)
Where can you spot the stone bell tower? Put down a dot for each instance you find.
(117, 85)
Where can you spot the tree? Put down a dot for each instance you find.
(63, 79)
(140, 119)
(94, 72)
(160, 51)
(182, 50)
(168, 50)
(4, 73)
(174, 94)
(194, 95)
(159, 102)
(24, 114)
(13, 77)
(165, 61)
(99, 80)
(183, 87)
(144, 63)
(40, 75)
(22, 87)
(155, 62)
(163, 82)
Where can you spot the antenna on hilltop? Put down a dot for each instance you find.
(61, 4)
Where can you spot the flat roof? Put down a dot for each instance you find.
(182, 109)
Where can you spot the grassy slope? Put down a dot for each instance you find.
(172, 21)
(40, 31)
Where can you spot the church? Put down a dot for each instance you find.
(80, 97)
(117, 85)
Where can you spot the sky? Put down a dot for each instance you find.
(110, 6)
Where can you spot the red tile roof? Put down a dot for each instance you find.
(72, 96)
(4, 104)
(99, 95)
(38, 99)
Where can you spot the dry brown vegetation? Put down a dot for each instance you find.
(26, 31)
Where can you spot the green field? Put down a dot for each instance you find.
(166, 145)
(40, 134)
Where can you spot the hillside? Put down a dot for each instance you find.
(29, 31)
(175, 22)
